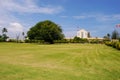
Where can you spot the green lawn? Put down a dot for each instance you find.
(58, 62)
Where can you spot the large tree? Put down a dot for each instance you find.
(45, 30)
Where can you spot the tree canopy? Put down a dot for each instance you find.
(45, 30)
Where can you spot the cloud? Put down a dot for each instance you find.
(10, 8)
(99, 17)
(117, 16)
(63, 16)
(15, 27)
(6, 18)
(80, 17)
(28, 6)
(109, 18)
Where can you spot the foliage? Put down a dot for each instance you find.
(114, 44)
(107, 37)
(75, 40)
(35, 41)
(45, 30)
(115, 34)
(61, 41)
(15, 41)
(1, 39)
(4, 30)
(79, 40)
(4, 36)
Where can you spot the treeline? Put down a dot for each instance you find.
(48, 32)
(74, 40)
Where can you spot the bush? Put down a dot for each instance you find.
(1, 40)
(34, 41)
(117, 45)
(61, 41)
(96, 41)
(108, 43)
(114, 44)
(79, 40)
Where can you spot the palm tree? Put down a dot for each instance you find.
(4, 30)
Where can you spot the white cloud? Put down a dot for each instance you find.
(28, 6)
(63, 16)
(99, 17)
(9, 8)
(6, 18)
(15, 27)
(1, 21)
(80, 17)
(117, 16)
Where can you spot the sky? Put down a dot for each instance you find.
(99, 17)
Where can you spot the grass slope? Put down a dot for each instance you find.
(58, 62)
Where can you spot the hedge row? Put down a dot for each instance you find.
(113, 44)
(94, 41)
(35, 41)
(71, 41)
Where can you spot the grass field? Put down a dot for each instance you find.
(59, 62)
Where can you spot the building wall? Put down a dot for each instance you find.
(82, 33)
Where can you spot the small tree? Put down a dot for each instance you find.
(79, 40)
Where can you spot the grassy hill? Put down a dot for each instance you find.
(59, 62)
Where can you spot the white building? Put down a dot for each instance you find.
(82, 33)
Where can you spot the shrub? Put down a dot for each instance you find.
(117, 45)
(61, 41)
(1, 40)
(108, 43)
(34, 41)
(114, 44)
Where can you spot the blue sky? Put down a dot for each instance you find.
(99, 17)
